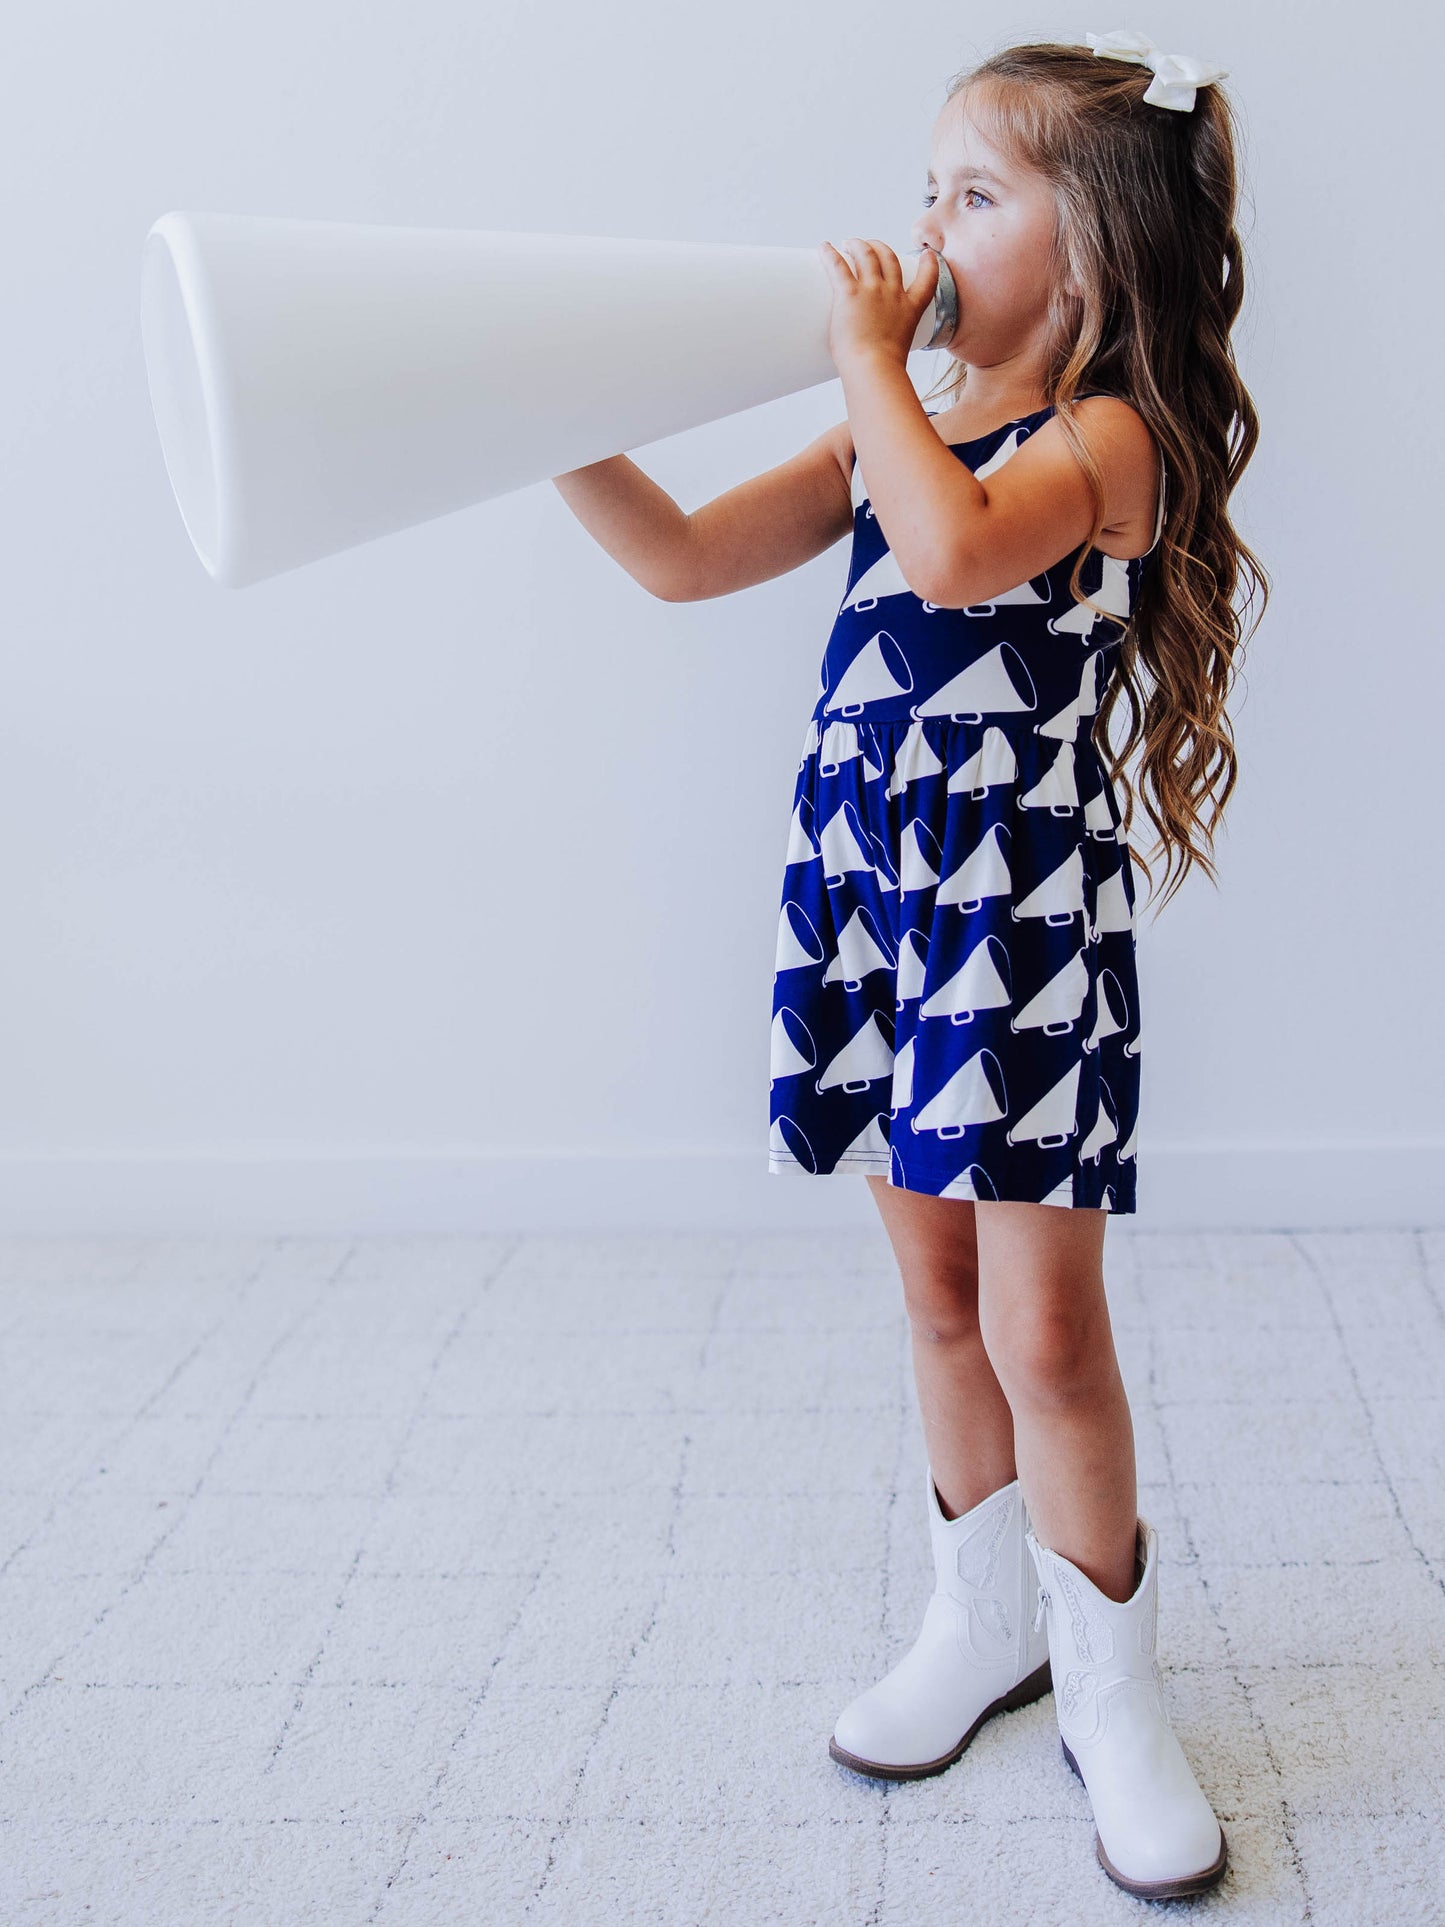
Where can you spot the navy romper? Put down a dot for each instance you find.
(955, 1002)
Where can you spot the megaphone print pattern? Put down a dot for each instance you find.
(955, 998)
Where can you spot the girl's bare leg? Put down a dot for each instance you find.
(1045, 1322)
(967, 1426)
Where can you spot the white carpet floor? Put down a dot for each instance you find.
(521, 1580)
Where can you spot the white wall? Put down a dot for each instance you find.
(435, 886)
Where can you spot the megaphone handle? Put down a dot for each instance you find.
(945, 304)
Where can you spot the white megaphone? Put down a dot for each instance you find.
(317, 384)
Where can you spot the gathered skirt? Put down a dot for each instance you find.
(955, 998)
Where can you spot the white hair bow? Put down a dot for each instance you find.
(1175, 75)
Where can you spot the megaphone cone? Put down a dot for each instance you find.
(317, 384)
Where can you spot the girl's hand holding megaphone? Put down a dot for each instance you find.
(874, 315)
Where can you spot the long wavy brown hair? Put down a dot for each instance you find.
(1146, 199)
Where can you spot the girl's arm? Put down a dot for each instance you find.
(758, 530)
(958, 541)
(637, 522)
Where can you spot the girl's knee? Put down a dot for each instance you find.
(1051, 1353)
(1044, 1315)
(950, 1322)
(942, 1303)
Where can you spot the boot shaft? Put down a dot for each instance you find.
(982, 1563)
(1096, 1642)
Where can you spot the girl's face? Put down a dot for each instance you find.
(993, 221)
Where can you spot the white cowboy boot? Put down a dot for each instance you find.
(1156, 1833)
(981, 1650)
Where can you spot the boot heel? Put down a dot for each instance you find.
(1039, 1682)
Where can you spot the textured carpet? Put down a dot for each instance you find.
(521, 1579)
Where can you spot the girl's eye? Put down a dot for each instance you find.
(929, 199)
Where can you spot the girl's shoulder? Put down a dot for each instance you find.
(1120, 441)
(1099, 404)
(1123, 445)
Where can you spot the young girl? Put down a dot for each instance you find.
(955, 1008)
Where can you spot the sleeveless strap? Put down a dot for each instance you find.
(1159, 519)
